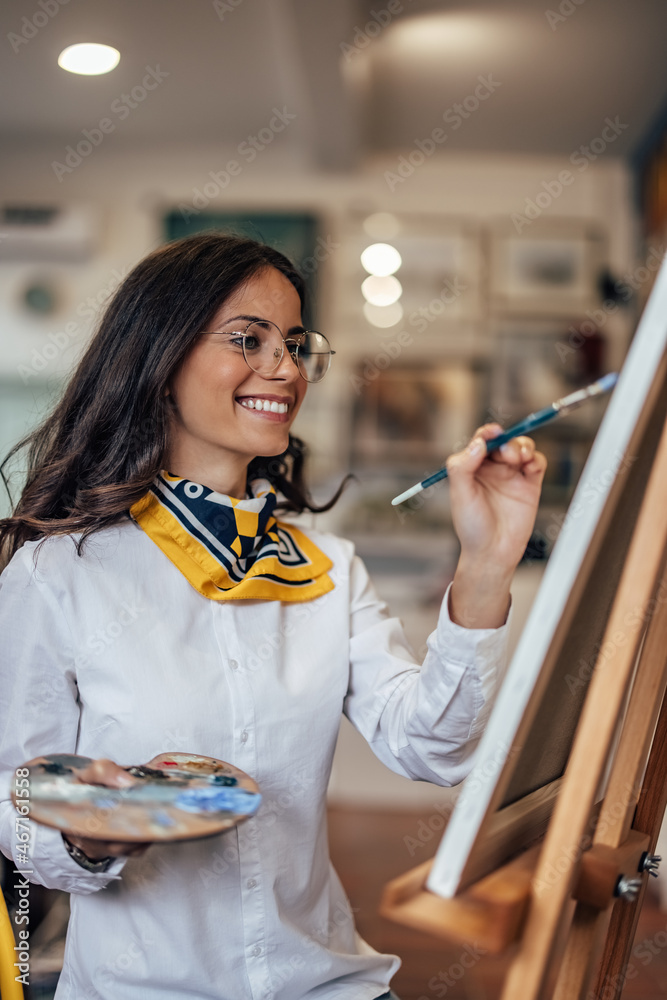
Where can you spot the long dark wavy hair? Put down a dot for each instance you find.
(103, 444)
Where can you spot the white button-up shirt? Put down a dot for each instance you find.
(114, 654)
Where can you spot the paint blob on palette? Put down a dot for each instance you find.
(175, 796)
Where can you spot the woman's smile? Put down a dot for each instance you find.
(268, 406)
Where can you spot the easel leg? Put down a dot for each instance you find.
(553, 884)
(615, 968)
(586, 938)
(582, 953)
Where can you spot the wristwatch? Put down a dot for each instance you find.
(99, 865)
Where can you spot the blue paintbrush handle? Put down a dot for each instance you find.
(523, 427)
(530, 423)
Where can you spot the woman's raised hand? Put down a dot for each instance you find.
(494, 503)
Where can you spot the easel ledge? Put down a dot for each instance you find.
(491, 913)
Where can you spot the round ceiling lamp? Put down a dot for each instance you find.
(381, 291)
(89, 58)
(383, 316)
(381, 259)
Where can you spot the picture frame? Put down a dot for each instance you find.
(535, 364)
(546, 270)
(410, 417)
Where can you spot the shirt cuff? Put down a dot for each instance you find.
(53, 867)
(486, 648)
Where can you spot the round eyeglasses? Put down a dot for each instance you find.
(263, 347)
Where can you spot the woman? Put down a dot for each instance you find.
(153, 603)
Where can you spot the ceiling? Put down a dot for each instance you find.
(356, 82)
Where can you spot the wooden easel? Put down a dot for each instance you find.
(556, 902)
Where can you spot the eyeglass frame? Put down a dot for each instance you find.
(285, 341)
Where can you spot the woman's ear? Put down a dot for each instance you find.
(169, 400)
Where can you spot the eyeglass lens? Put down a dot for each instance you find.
(263, 347)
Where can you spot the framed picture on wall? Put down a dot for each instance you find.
(534, 363)
(414, 416)
(546, 272)
(440, 275)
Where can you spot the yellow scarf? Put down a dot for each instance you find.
(232, 549)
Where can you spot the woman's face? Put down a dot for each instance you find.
(214, 431)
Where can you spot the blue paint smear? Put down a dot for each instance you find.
(225, 799)
(162, 819)
(106, 803)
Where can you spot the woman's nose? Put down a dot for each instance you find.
(287, 368)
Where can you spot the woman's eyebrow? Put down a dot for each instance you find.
(250, 319)
(261, 319)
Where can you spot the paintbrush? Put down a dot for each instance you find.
(526, 426)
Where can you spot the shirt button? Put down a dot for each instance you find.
(251, 883)
(256, 951)
(244, 737)
(234, 664)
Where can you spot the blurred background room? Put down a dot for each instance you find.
(477, 194)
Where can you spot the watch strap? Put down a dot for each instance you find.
(97, 865)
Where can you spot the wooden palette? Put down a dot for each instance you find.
(176, 796)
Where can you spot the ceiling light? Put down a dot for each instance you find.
(381, 291)
(449, 33)
(381, 259)
(383, 316)
(89, 58)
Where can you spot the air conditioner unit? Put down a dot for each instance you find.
(57, 233)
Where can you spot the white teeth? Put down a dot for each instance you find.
(269, 406)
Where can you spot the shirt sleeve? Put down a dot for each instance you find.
(39, 713)
(425, 722)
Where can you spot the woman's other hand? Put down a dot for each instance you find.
(110, 775)
(105, 772)
(494, 504)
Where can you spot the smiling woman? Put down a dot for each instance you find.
(156, 485)
(224, 412)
